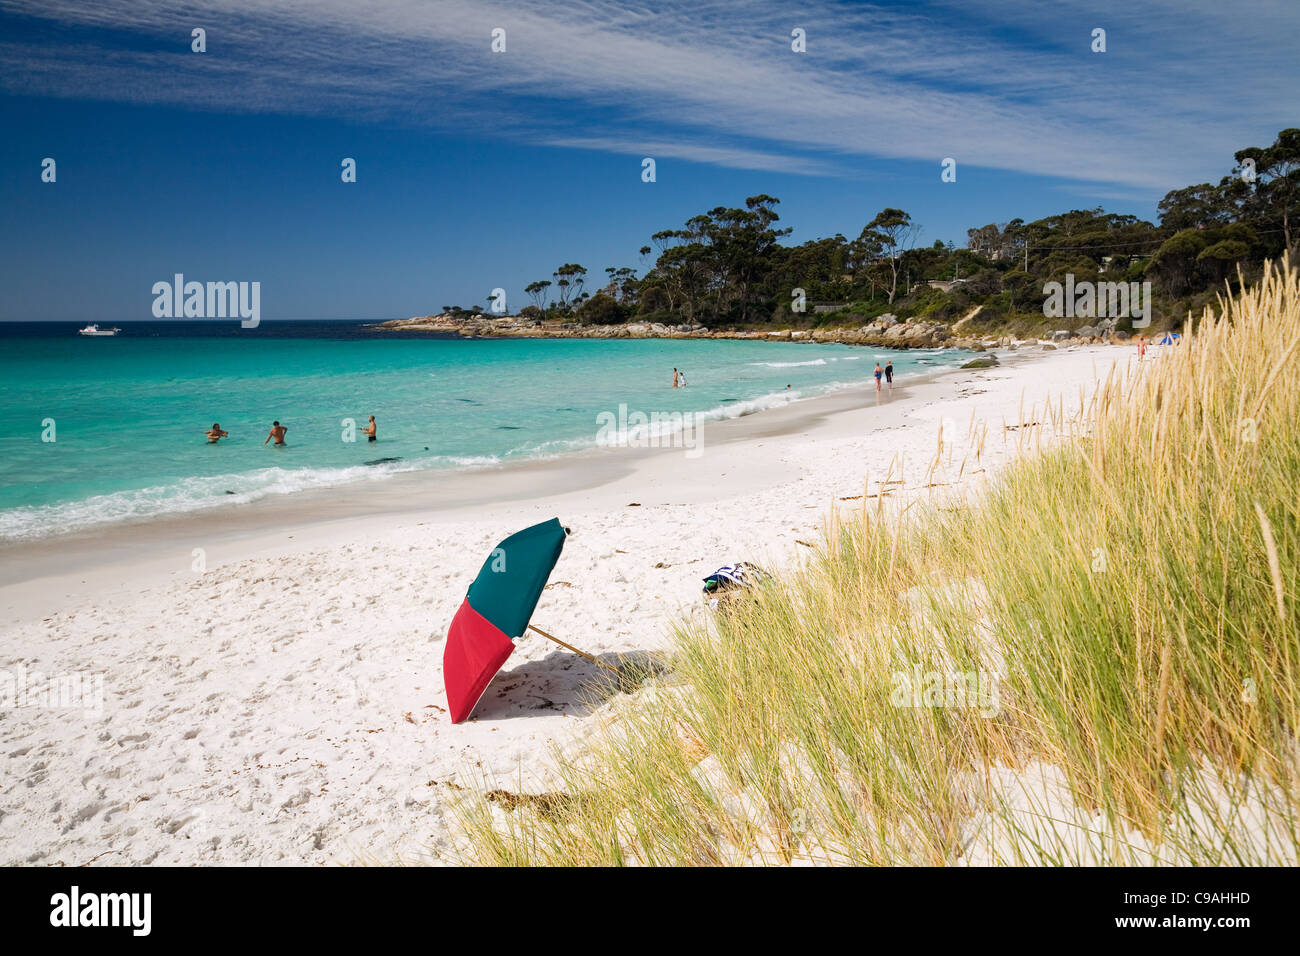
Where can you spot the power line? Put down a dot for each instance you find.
(1141, 242)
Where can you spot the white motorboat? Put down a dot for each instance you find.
(96, 330)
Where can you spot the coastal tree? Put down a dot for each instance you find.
(1275, 196)
(988, 241)
(819, 266)
(926, 262)
(718, 266)
(684, 278)
(1020, 288)
(624, 283)
(538, 292)
(569, 279)
(1220, 258)
(742, 242)
(983, 283)
(602, 309)
(1175, 261)
(1194, 207)
(1228, 247)
(891, 232)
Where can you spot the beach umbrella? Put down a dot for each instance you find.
(496, 611)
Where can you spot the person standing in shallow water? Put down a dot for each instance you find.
(674, 378)
(371, 430)
(215, 434)
(879, 372)
(277, 432)
(889, 374)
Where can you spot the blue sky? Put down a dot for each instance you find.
(479, 169)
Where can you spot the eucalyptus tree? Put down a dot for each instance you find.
(538, 292)
(1275, 183)
(892, 232)
(569, 279)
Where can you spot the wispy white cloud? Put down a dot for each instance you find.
(1008, 85)
(734, 157)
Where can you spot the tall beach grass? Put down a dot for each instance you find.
(1094, 661)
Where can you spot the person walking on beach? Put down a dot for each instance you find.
(879, 372)
(371, 430)
(215, 434)
(889, 374)
(1142, 347)
(277, 432)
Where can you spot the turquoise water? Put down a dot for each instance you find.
(128, 413)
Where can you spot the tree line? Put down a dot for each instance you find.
(728, 266)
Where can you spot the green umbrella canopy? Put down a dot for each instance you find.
(512, 578)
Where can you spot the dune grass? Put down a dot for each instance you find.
(1095, 661)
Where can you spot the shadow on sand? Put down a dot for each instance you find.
(564, 683)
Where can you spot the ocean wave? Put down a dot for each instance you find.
(790, 364)
(659, 428)
(193, 494)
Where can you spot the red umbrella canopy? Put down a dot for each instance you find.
(496, 610)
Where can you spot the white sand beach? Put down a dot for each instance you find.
(285, 705)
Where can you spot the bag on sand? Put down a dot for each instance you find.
(730, 578)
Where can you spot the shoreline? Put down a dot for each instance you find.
(423, 492)
(887, 332)
(137, 500)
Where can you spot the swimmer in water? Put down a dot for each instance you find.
(215, 434)
(277, 432)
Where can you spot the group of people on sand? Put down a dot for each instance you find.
(278, 431)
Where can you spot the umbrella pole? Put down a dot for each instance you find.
(572, 648)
